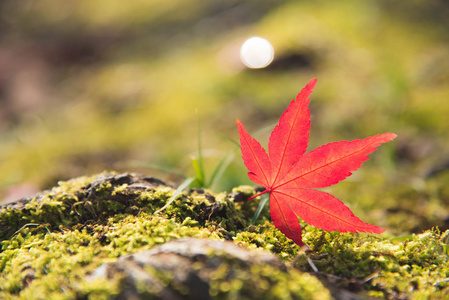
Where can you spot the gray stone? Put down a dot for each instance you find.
(187, 263)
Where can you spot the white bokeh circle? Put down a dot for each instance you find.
(256, 53)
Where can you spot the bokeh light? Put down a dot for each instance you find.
(257, 53)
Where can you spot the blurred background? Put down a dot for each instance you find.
(88, 86)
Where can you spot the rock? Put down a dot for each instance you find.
(192, 268)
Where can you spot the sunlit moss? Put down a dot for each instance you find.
(266, 282)
(50, 247)
(414, 263)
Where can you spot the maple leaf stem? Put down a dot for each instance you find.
(257, 195)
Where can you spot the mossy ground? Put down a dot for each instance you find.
(52, 244)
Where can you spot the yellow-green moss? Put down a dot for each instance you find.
(266, 282)
(412, 266)
(62, 259)
(55, 241)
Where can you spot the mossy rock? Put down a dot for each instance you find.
(199, 269)
(56, 244)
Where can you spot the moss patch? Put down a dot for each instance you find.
(50, 243)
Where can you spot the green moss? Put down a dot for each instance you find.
(386, 267)
(268, 237)
(49, 261)
(266, 282)
(52, 243)
(376, 266)
(75, 202)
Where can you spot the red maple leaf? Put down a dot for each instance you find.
(290, 176)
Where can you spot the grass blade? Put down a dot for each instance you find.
(228, 138)
(198, 163)
(220, 168)
(200, 181)
(178, 191)
(262, 204)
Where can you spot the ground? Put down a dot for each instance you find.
(53, 242)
